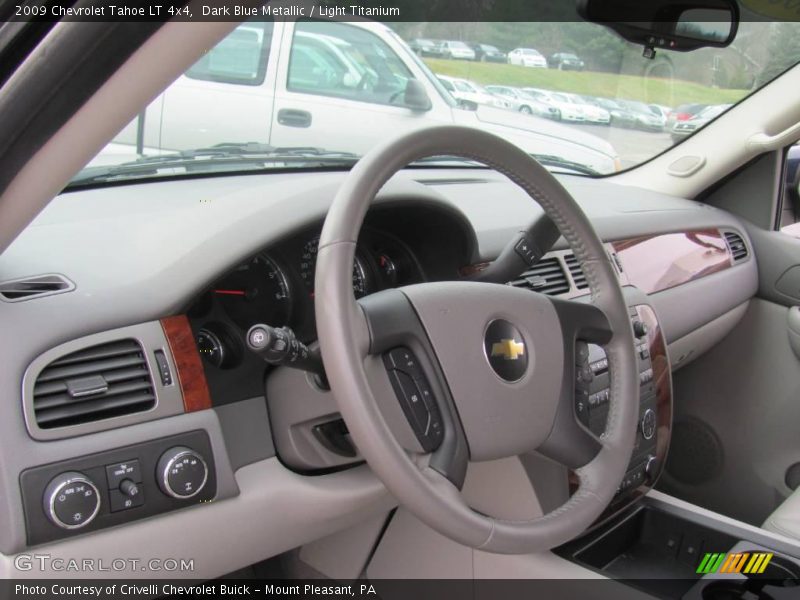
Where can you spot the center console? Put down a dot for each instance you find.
(655, 405)
(673, 550)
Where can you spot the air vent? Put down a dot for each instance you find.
(547, 277)
(736, 246)
(99, 382)
(575, 270)
(27, 288)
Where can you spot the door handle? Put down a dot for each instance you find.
(294, 118)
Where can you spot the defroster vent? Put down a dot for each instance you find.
(547, 277)
(99, 382)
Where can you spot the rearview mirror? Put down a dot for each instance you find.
(667, 24)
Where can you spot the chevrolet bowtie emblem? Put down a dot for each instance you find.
(509, 349)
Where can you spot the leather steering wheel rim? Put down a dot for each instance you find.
(344, 338)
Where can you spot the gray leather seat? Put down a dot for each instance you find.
(786, 518)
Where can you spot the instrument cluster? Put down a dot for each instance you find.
(276, 287)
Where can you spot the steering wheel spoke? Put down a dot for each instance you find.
(570, 442)
(399, 342)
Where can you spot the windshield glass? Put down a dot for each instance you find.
(321, 93)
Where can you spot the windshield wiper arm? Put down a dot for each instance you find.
(549, 160)
(221, 155)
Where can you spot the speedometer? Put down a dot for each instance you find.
(308, 264)
(256, 292)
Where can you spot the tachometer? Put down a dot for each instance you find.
(308, 264)
(256, 292)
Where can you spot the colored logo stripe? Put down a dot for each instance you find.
(740, 562)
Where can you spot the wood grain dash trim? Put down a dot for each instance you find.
(191, 376)
(658, 262)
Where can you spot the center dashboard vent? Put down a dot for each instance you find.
(575, 270)
(98, 382)
(736, 246)
(546, 277)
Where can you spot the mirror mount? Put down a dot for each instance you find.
(682, 26)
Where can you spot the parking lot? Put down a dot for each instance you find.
(632, 145)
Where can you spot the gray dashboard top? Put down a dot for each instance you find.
(142, 251)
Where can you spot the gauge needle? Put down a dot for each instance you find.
(231, 292)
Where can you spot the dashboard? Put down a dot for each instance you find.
(184, 268)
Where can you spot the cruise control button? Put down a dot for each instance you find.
(414, 401)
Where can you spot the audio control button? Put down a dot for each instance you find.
(648, 424)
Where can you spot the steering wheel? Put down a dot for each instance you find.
(430, 376)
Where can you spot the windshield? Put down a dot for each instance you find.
(321, 93)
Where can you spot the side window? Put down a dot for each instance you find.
(790, 215)
(343, 61)
(241, 58)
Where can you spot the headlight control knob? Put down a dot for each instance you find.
(181, 473)
(71, 500)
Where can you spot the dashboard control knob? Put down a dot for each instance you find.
(71, 500)
(181, 472)
(648, 424)
(128, 488)
(651, 468)
(639, 328)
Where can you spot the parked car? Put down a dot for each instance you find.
(643, 117)
(593, 113)
(524, 102)
(327, 86)
(487, 53)
(620, 115)
(464, 89)
(527, 57)
(683, 129)
(567, 110)
(684, 112)
(426, 47)
(660, 109)
(565, 61)
(456, 50)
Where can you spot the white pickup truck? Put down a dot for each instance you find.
(292, 83)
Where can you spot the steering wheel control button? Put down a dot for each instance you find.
(129, 470)
(182, 473)
(648, 424)
(506, 351)
(416, 396)
(71, 500)
(526, 251)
